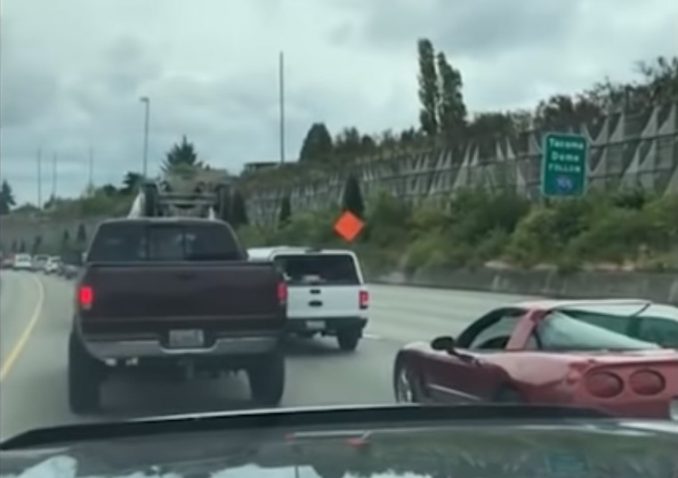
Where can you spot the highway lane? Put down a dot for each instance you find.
(33, 390)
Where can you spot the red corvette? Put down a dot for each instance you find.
(619, 356)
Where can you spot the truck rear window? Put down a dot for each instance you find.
(323, 269)
(163, 242)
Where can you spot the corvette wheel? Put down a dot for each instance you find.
(404, 388)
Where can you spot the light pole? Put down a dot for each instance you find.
(147, 102)
(281, 86)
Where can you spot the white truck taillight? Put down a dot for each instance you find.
(364, 299)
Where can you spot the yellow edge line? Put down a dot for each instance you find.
(13, 355)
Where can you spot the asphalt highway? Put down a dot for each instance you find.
(35, 319)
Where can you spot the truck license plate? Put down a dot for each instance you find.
(186, 338)
(315, 324)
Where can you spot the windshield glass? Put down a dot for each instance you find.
(130, 242)
(325, 269)
(561, 331)
(226, 205)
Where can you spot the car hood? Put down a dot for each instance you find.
(569, 448)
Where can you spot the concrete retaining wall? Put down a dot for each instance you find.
(656, 287)
(17, 228)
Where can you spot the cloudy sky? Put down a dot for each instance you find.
(72, 71)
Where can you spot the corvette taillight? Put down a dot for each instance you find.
(604, 385)
(647, 382)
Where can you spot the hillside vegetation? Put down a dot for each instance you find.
(629, 230)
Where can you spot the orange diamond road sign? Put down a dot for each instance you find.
(348, 226)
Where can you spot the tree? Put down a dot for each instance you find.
(238, 210)
(51, 203)
(37, 243)
(181, 154)
(22, 246)
(27, 208)
(285, 211)
(130, 182)
(108, 190)
(6, 198)
(81, 235)
(490, 124)
(65, 239)
(15, 246)
(353, 198)
(428, 88)
(367, 144)
(451, 108)
(661, 79)
(317, 144)
(563, 111)
(348, 142)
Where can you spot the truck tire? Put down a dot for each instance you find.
(84, 378)
(267, 379)
(348, 338)
(150, 199)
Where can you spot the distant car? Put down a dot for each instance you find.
(23, 262)
(7, 262)
(70, 271)
(53, 265)
(603, 354)
(327, 293)
(39, 262)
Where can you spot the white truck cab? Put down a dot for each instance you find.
(326, 291)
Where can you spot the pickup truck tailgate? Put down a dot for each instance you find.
(237, 295)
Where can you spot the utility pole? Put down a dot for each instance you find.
(90, 184)
(39, 178)
(281, 78)
(146, 100)
(54, 176)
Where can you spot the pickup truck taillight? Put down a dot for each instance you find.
(85, 297)
(282, 292)
(364, 299)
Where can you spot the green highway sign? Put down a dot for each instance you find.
(564, 165)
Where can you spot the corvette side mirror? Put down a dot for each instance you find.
(444, 343)
(447, 344)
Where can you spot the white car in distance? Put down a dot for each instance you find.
(327, 294)
(23, 262)
(53, 265)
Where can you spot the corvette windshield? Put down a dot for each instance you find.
(560, 331)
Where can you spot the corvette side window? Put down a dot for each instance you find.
(496, 335)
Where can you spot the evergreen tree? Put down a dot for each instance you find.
(353, 198)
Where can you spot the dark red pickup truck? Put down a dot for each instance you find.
(177, 294)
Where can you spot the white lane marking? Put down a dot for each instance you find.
(372, 336)
(20, 344)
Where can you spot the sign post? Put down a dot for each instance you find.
(564, 165)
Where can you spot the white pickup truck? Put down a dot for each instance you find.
(326, 291)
